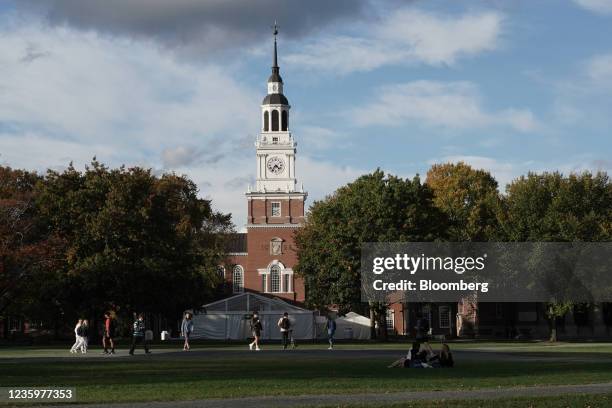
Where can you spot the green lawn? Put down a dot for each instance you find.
(227, 373)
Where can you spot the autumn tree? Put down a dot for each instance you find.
(470, 199)
(28, 253)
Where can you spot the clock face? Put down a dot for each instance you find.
(276, 165)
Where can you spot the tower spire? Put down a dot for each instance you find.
(275, 68)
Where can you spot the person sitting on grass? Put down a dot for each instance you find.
(411, 356)
(444, 359)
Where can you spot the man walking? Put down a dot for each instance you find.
(285, 327)
(138, 334)
(109, 331)
(331, 330)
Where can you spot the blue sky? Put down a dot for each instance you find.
(510, 87)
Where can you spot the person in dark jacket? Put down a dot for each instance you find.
(85, 336)
(256, 328)
(186, 330)
(285, 327)
(331, 330)
(138, 334)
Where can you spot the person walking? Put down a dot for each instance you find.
(285, 327)
(84, 336)
(77, 337)
(138, 334)
(186, 330)
(108, 333)
(331, 330)
(256, 328)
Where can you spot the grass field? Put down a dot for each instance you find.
(215, 371)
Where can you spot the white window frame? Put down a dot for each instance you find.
(238, 284)
(276, 203)
(390, 318)
(276, 270)
(441, 309)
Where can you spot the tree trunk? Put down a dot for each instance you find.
(382, 326)
(553, 329)
(372, 323)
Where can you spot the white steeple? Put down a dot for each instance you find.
(276, 148)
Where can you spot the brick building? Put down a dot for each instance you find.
(262, 259)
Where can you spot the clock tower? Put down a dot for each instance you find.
(276, 201)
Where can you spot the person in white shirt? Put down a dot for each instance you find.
(77, 336)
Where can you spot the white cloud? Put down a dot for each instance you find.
(454, 105)
(599, 69)
(68, 96)
(91, 89)
(596, 6)
(405, 36)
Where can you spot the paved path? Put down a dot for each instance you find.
(385, 355)
(317, 400)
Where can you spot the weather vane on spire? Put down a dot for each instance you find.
(275, 28)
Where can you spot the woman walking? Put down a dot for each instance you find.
(186, 330)
(84, 336)
(77, 337)
(255, 331)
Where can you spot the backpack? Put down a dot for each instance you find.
(285, 323)
(80, 331)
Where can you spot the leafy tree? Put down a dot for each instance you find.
(374, 208)
(548, 207)
(469, 198)
(135, 241)
(27, 252)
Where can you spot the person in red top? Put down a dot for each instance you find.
(107, 337)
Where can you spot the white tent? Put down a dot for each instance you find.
(352, 326)
(229, 319)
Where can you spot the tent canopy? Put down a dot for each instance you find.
(228, 319)
(248, 303)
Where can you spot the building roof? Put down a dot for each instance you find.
(275, 99)
(236, 243)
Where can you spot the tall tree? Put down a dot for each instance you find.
(469, 198)
(135, 241)
(549, 207)
(374, 208)
(27, 251)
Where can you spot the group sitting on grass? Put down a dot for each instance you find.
(422, 356)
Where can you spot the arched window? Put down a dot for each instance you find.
(221, 271)
(266, 121)
(285, 120)
(275, 120)
(238, 281)
(275, 278)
